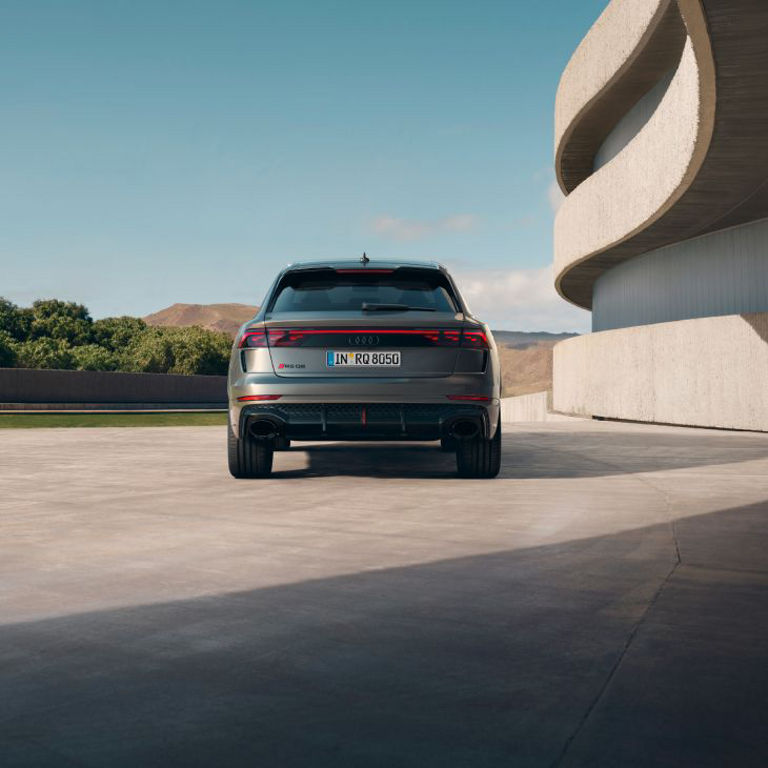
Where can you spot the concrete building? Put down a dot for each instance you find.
(661, 148)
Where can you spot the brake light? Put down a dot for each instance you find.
(473, 398)
(283, 337)
(253, 339)
(364, 271)
(450, 338)
(257, 398)
(474, 340)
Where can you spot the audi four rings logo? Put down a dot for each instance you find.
(363, 341)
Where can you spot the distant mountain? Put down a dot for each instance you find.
(526, 360)
(523, 339)
(217, 317)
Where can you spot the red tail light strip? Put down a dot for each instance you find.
(452, 336)
(473, 398)
(353, 330)
(278, 337)
(257, 398)
(293, 337)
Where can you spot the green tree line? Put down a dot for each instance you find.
(62, 334)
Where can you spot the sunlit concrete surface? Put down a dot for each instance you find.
(632, 373)
(604, 602)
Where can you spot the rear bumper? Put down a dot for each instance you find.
(368, 421)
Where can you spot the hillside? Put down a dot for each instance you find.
(526, 360)
(523, 339)
(216, 317)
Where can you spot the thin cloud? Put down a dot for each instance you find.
(415, 229)
(524, 222)
(520, 300)
(555, 196)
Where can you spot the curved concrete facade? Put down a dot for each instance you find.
(625, 53)
(723, 273)
(634, 189)
(661, 147)
(632, 123)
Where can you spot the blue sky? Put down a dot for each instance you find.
(156, 151)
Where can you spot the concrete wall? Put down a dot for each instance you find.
(526, 408)
(633, 122)
(637, 187)
(605, 56)
(24, 387)
(533, 407)
(708, 372)
(723, 273)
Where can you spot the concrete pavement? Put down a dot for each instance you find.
(604, 602)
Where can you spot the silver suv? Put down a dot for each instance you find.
(363, 350)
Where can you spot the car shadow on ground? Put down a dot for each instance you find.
(397, 460)
(499, 659)
(529, 454)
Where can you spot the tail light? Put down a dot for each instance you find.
(471, 398)
(450, 338)
(310, 337)
(252, 339)
(284, 337)
(257, 398)
(298, 337)
(436, 338)
(474, 340)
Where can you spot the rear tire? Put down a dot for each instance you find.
(480, 457)
(248, 457)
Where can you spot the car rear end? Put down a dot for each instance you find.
(359, 352)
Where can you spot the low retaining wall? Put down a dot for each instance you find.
(706, 372)
(533, 407)
(26, 389)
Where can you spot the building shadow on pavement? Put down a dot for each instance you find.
(535, 657)
(759, 323)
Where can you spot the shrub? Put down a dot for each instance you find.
(197, 350)
(7, 350)
(116, 333)
(16, 322)
(61, 334)
(150, 352)
(44, 353)
(62, 320)
(92, 357)
(191, 350)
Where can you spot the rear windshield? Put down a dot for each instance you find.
(328, 290)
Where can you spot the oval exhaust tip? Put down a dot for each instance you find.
(262, 429)
(465, 430)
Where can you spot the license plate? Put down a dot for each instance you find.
(334, 359)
